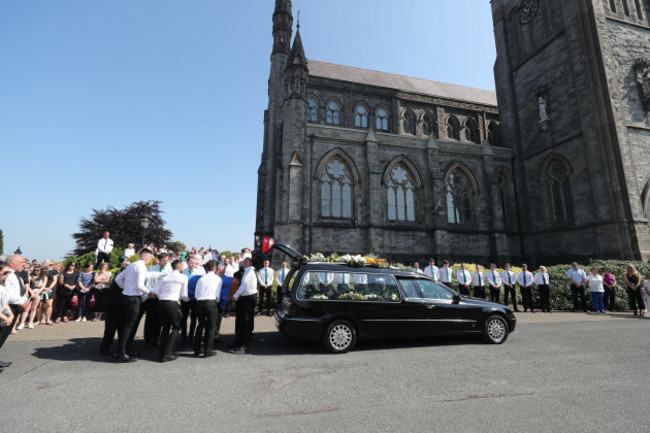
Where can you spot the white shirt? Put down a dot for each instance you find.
(525, 278)
(508, 278)
(105, 245)
(325, 277)
(156, 268)
(595, 283)
(541, 278)
(230, 270)
(281, 275)
(494, 279)
(432, 271)
(463, 277)
(208, 288)
(444, 274)
(418, 270)
(196, 271)
(3, 296)
(342, 278)
(132, 279)
(172, 287)
(360, 278)
(478, 279)
(265, 276)
(248, 284)
(129, 252)
(12, 290)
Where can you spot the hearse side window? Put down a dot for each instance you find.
(348, 286)
(409, 287)
(421, 288)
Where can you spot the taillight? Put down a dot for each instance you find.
(267, 244)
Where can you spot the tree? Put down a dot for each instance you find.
(177, 246)
(124, 226)
(2, 242)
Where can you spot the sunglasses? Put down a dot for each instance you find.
(4, 273)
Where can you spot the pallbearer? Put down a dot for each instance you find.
(464, 280)
(478, 281)
(525, 280)
(445, 274)
(432, 270)
(265, 276)
(172, 288)
(509, 280)
(208, 292)
(494, 280)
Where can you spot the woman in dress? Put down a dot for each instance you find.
(597, 290)
(51, 289)
(84, 286)
(38, 285)
(67, 287)
(100, 290)
(633, 282)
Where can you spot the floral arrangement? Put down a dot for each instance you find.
(356, 261)
(353, 296)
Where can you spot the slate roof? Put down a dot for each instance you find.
(401, 82)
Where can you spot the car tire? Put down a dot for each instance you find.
(340, 336)
(495, 330)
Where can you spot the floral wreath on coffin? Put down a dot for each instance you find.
(356, 261)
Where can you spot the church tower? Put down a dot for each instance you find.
(271, 155)
(573, 79)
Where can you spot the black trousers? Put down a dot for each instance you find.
(170, 318)
(527, 297)
(479, 292)
(635, 298)
(609, 299)
(112, 316)
(151, 322)
(545, 297)
(189, 311)
(207, 313)
(100, 299)
(264, 295)
(245, 320)
(63, 298)
(130, 310)
(463, 290)
(6, 330)
(495, 294)
(102, 258)
(512, 291)
(578, 291)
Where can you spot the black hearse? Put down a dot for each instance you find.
(338, 303)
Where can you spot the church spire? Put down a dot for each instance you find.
(297, 55)
(297, 69)
(282, 26)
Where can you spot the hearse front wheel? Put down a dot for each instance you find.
(340, 336)
(495, 330)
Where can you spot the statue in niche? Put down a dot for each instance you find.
(543, 113)
(642, 71)
(542, 103)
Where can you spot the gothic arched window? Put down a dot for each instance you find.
(381, 120)
(471, 131)
(312, 111)
(453, 128)
(361, 116)
(401, 193)
(561, 197)
(493, 134)
(429, 125)
(333, 114)
(409, 122)
(461, 198)
(337, 190)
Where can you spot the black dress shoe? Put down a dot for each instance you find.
(105, 352)
(239, 350)
(196, 353)
(5, 364)
(169, 358)
(210, 354)
(134, 354)
(123, 359)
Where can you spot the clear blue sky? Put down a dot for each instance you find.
(103, 103)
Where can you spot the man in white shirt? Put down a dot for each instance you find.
(246, 298)
(172, 288)
(280, 277)
(578, 278)
(132, 282)
(208, 293)
(416, 268)
(525, 281)
(188, 308)
(445, 274)
(494, 280)
(14, 295)
(265, 276)
(104, 248)
(163, 264)
(509, 279)
(432, 270)
(478, 281)
(464, 280)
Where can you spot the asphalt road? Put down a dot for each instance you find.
(547, 377)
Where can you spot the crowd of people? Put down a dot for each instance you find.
(48, 293)
(602, 287)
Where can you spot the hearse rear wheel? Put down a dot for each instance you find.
(340, 336)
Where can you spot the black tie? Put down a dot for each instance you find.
(22, 285)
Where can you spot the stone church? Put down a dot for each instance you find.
(553, 167)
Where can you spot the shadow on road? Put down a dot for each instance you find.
(76, 349)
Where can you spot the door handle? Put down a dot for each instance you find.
(431, 307)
